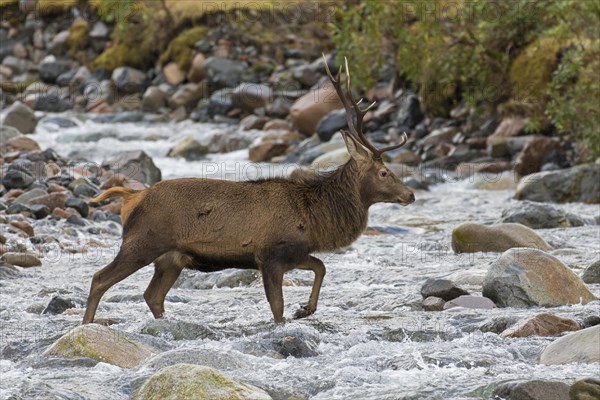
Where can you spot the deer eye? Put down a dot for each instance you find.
(383, 173)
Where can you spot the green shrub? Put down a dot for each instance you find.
(181, 48)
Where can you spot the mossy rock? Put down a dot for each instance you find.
(78, 34)
(4, 3)
(531, 72)
(188, 381)
(121, 55)
(101, 344)
(472, 238)
(55, 7)
(181, 48)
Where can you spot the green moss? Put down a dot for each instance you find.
(4, 3)
(78, 35)
(123, 55)
(531, 72)
(181, 48)
(55, 7)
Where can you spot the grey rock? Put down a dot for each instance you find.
(433, 303)
(135, 164)
(294, 340)
(39, 211)
(592, 273)
(50, 71)
(442, 288)
(224, 72)
(468, 301)
(539, 216)
(221, 360)
(409, 111)
(153, 99)
(524, 277)
(59, 43)
(32, 194)
(576, 184)
(79, 204)
(7, 133)
(75, 220)
(83, 187)
(7, 271)
(330, 124)
(221, 102)
(577, 347)
(50, 102)
(58, 304)
(188, 148)
(17, 208)
(99, 31)
(17, 65)
(20, 117)
(15, 179)
(129, 80)
(250, 96)
(532, 390)
(498, 325)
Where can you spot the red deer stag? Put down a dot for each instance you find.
(272, 225)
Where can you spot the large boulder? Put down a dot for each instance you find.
(187, 381)
(576, 184)
(585, 389)
(20, 117)
(532, 156)
(544, 324)
(532, 390)
(539, 216)
(471, 238)
(524, 277)
(308, 110)
(101, 344)
(189, 95)
(135, 164)
(578, 347)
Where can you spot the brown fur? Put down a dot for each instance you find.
(272, 225)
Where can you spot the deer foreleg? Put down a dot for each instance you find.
(317, 266)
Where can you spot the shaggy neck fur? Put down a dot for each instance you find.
(333, 206)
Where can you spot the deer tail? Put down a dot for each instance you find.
(113, 192)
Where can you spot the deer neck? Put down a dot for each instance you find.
(337, 213)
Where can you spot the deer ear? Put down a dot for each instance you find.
(355, 148)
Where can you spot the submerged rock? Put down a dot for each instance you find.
(532, 390)
(227, 278)
(58, 305)
(577, 347)
(187, 381)
(179, 330)
(528, 277)
(471, 238)
(544, 324)
(101, 344)
(539, 216)
(576, 184)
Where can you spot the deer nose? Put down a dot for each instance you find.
(411, 198)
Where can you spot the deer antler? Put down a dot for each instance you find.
(355, 114)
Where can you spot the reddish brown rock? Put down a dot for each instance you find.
(60, 213)
(24, 226)
(51, 200)
(22, 143)
(196, 73)
(173, 74)
(277, 124)
(267, 150)
(531, 157)
(308, 110)
(544, 324)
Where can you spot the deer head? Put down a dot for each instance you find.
(378, 184)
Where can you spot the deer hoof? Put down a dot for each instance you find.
(303, 312)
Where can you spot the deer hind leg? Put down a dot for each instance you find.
(273, 279)
(167, 269)
(128, 260)
(317, 266)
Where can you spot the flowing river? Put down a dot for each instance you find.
(369, 337)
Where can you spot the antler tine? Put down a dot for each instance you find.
(353, 111)
(394, 147)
